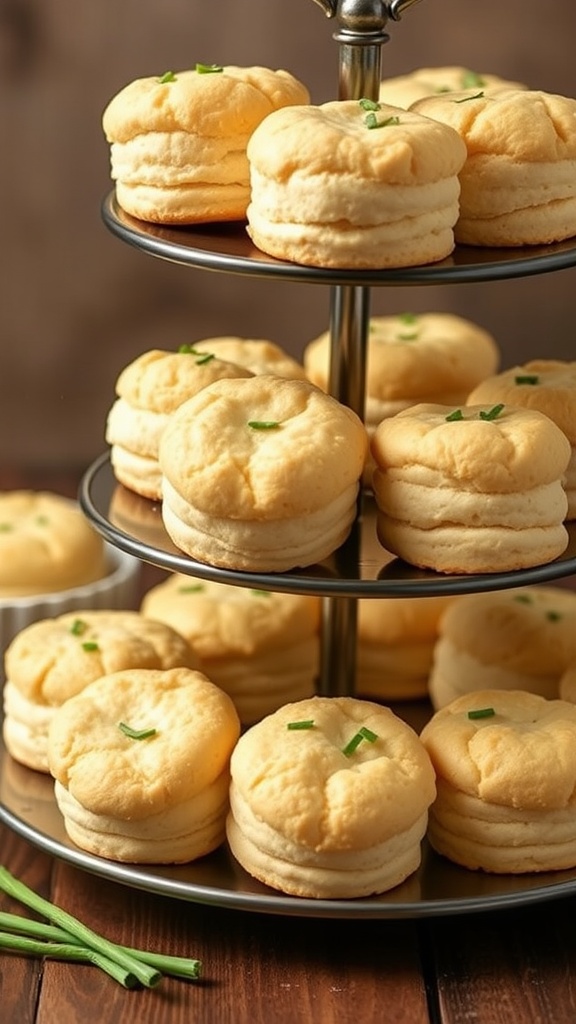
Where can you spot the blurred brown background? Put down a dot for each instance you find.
(76, 304)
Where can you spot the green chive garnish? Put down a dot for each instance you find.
(42, 520)
(523, 598)
(90, 645)
(260, 593)
(471, 79)
(307, 723)
(168, 76)
(203, 357)
(191, 588)
(553, 616)
(527, 378)
(466, 99)
(369, 104)
(78, 627)
(362, 734)
(263, 424)
(208, 69)
(482, 713)
(6, 527)
(456, 415)
(492, 413)
(371, 121)
(408, 318)
(135, 734)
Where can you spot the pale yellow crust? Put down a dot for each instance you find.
(548, 385)
(403, 90)
(506, 782)
(257, 354)
(306, 818)
(519, 179)
(416, 358)
(113, 775)
(178, 147)
(160, 380)
(328, 190)
(46, 545)
(213, 458)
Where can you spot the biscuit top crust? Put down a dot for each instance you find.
(195, 728)
(522, 756)
(421, 82)
(221, 621)
(231, 102)
(51, 660)
(514, 450)
(523, 125)
(46, 545)
(301, 783)
(389, 621)
(303, 449)
(527, 629)
(257, 354)
(548, 385)
(335, 138)
(416, 355)
(160, 380)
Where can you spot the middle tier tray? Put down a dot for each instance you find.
(360, 568)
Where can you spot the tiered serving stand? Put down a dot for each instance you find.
(360, 569)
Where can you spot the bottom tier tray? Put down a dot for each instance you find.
(28, 807)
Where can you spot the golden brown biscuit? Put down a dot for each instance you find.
(518, 639)
(548, 385)
(339, 185)
(52, 660)
(141, 763)
(148, 390)
(519, 179)
(396, 641)
(46, 545)
(262, 648)
(178, 141)
(471, 490)
(329, 811)
(506, 777)
(261, 474)
(256, 354)
(404, 90)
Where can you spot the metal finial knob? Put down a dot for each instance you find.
(365, 12)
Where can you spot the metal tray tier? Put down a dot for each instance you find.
(28, 807)
(360, 568)
(227, 248)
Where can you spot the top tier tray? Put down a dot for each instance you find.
(227, 248)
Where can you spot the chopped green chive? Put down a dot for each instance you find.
(78, 627)
(456, 415)
(90, 645)
(135, 734)
(168, 76)
(553, 616)
(407, 337)
(367, 104)
(203, 357)
(191, 588)
(471, 80)
(362, 734)
(523, 598)
(408, 318)
(6, 527)
(260, 593)
(491, 414)
(208, 69)
(481, 713)
(371, 121)
(307, 723)
(466, 99)
(527, 378)
(42, 520)
(263, 424)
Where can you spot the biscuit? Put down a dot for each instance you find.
(140, 760)
(148, 390)
(471, 490)
(261, 474)
(52, 660)
(404, 90)
(262, 648)
(46, 545)
(256, 354)
(548, 385)
(395, 647)
(178, 142)
(342, 186)
(311, 820)
(518, 183)
(518, 639)
(506, 777)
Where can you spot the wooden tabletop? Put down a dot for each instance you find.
(488, 967)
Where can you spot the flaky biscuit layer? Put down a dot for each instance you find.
(158, 381)
(455, 672)
(194, 728)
